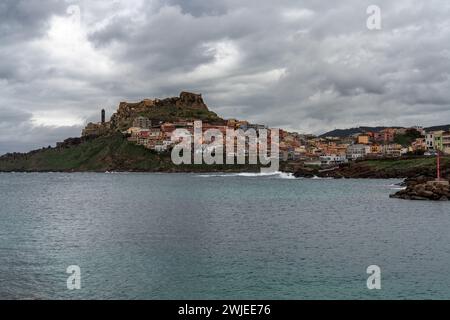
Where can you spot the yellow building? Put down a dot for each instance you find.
(376, 149)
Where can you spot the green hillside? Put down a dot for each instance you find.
(107, 153)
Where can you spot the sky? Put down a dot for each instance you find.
(302, 65)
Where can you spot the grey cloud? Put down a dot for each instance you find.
(200, 8)
(10, 116)
(18, 133)
(26, 138)
(305, 65)
(25, 19)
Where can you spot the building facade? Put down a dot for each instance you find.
(357, 151)
(142, 122)
(446, 142)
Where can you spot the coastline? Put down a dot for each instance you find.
(113, 153)
(365, 169)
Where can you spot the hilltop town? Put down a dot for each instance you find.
(140, 125)
(138, 137)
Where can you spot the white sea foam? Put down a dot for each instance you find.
(395, 186)
(398, 188)
(278, 175)
(321, 178)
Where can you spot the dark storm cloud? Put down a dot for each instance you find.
(304, 65)
(199, 7)
(25, 19)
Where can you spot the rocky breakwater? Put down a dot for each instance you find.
(422, 188)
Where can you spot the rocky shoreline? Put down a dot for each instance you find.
(424, 188)
(420, 183)
(116, 155)
(362, 171)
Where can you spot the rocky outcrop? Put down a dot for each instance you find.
(430, 190)
(71, 142)
(305, 172)
(186, 100)
(187, 106)
(96, 129)
(420, 185)
(191, 100)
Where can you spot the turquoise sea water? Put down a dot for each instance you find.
(188, 236)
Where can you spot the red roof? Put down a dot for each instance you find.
(144, 134)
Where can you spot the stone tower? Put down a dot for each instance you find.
(103, 116)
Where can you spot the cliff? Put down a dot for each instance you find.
(188, 106)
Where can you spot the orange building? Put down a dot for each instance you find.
(363, 139)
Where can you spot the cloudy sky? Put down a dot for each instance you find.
(304, 65)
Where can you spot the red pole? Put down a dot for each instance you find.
(438, 166)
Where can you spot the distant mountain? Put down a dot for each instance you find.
(437, 128)
(348, 132)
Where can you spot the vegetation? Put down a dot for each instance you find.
(408, 167)
(406, 139)
(107, 153)
(174, 113)
(419, 163)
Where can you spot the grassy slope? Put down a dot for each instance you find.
(112, 153)
(425, 165)
(101, 154)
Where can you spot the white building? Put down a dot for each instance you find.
(160, 148)
(332, 160)
(429, 140)
(357, 151)
(420, 129)
(393, 150)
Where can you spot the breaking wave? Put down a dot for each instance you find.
(278, 175)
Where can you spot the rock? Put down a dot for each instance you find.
(424, 191)
(191, 100)
(418, 198)
(426, 194)
(306, 173)
(157, 109)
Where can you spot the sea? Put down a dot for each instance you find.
(217, 236)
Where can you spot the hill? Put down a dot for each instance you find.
(103, 147)
(188, 106)
(101, 154)
(438, 128)
(351, 131)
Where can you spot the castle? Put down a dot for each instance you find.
(97, 129)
